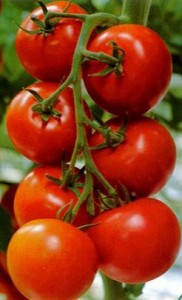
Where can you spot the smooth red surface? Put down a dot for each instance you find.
(143, 162)
(36, 139)
(146, 73)
(50, 259)
(38, 197)
(49, 57)
(137, 242)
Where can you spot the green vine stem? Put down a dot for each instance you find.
(136, 11)
(113, 289)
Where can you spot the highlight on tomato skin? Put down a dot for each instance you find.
(141, 162)
(39, 197)
(137, 242)
(49, 57)
(146, 70)
(66, 267)
(39, 140)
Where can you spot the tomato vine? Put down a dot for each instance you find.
(110, 193)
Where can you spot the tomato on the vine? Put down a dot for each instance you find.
(137, 242)
(39, 197)
(143, 162)
(42, 141)
(50, 259)
(48, 56)
(146, 70)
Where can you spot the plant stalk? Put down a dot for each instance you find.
(113, 289)
(136, 11)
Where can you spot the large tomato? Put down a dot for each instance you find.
(38, 197)
(38, 140)
(49, 56)
(143, 162)
(50, 259)
(146, 70)
(137, 242)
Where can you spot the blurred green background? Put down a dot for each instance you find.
(165, 17)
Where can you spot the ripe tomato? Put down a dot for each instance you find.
(137, 242)
(7, 289)
(36, 139)
(50, 259)
(142, 163)
(146, 70)
(38, 197)
(49, 57)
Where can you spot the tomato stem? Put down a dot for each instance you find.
(75, 79)
(137, 11)
(113, 289)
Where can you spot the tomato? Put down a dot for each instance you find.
(49, 57)
(38, 140)
(7, 289)
(39, 197)
(50, 259)
(137, 242)
(146, 72)
(143, 162)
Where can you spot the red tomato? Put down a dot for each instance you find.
(146, 70)
(142, 163)
(36, 139)
(7, 289)
(38, 197)
(49, 57)
(50, 259)
(137, 242)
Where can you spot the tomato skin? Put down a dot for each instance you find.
(38, 197)
(137, 242)
(49, 57)
(50, 259)
(141, 163)
(8, 290)
(147, 69)
(38, 140)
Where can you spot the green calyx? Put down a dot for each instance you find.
(44, 107)
(112, 138)
(48, 24)
(114, 61)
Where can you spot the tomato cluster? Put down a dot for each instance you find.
(131, 237)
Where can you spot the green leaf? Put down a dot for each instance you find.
(6, 229)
